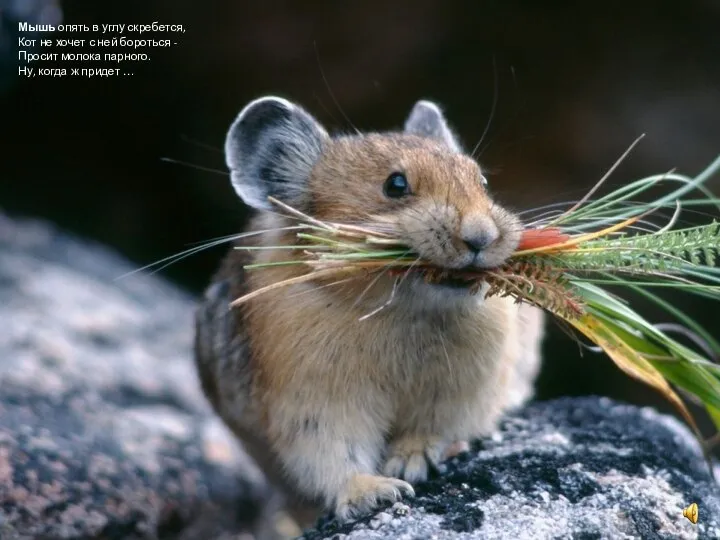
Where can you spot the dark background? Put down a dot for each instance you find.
(575, 82)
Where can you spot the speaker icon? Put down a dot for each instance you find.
(691, 512)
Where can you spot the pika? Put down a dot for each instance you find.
(341, 411)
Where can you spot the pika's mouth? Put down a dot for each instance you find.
(454, 282)
(447, 279)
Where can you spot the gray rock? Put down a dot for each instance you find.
(580, 468)
(104, 432)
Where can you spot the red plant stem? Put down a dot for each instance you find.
(536, 238)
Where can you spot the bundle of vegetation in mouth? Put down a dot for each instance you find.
(564, 263)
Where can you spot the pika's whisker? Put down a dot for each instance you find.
(376, 279)
(193, 166)
(171, 259)
(386, 304)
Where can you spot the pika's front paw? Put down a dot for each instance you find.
(363, 492)
(412, 457)
(456, 448)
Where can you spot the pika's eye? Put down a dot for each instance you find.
(396, 185)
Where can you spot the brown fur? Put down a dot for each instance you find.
(345, 412)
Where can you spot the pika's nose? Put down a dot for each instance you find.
(478, 232)
(479, 238)
(478, 241)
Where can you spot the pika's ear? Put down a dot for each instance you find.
(427, 120)
(270, 149)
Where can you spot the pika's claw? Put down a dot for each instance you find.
(363, 492)
(412, 458)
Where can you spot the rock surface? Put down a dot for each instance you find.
(581, 468)
(104, 433)
(103, 430)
